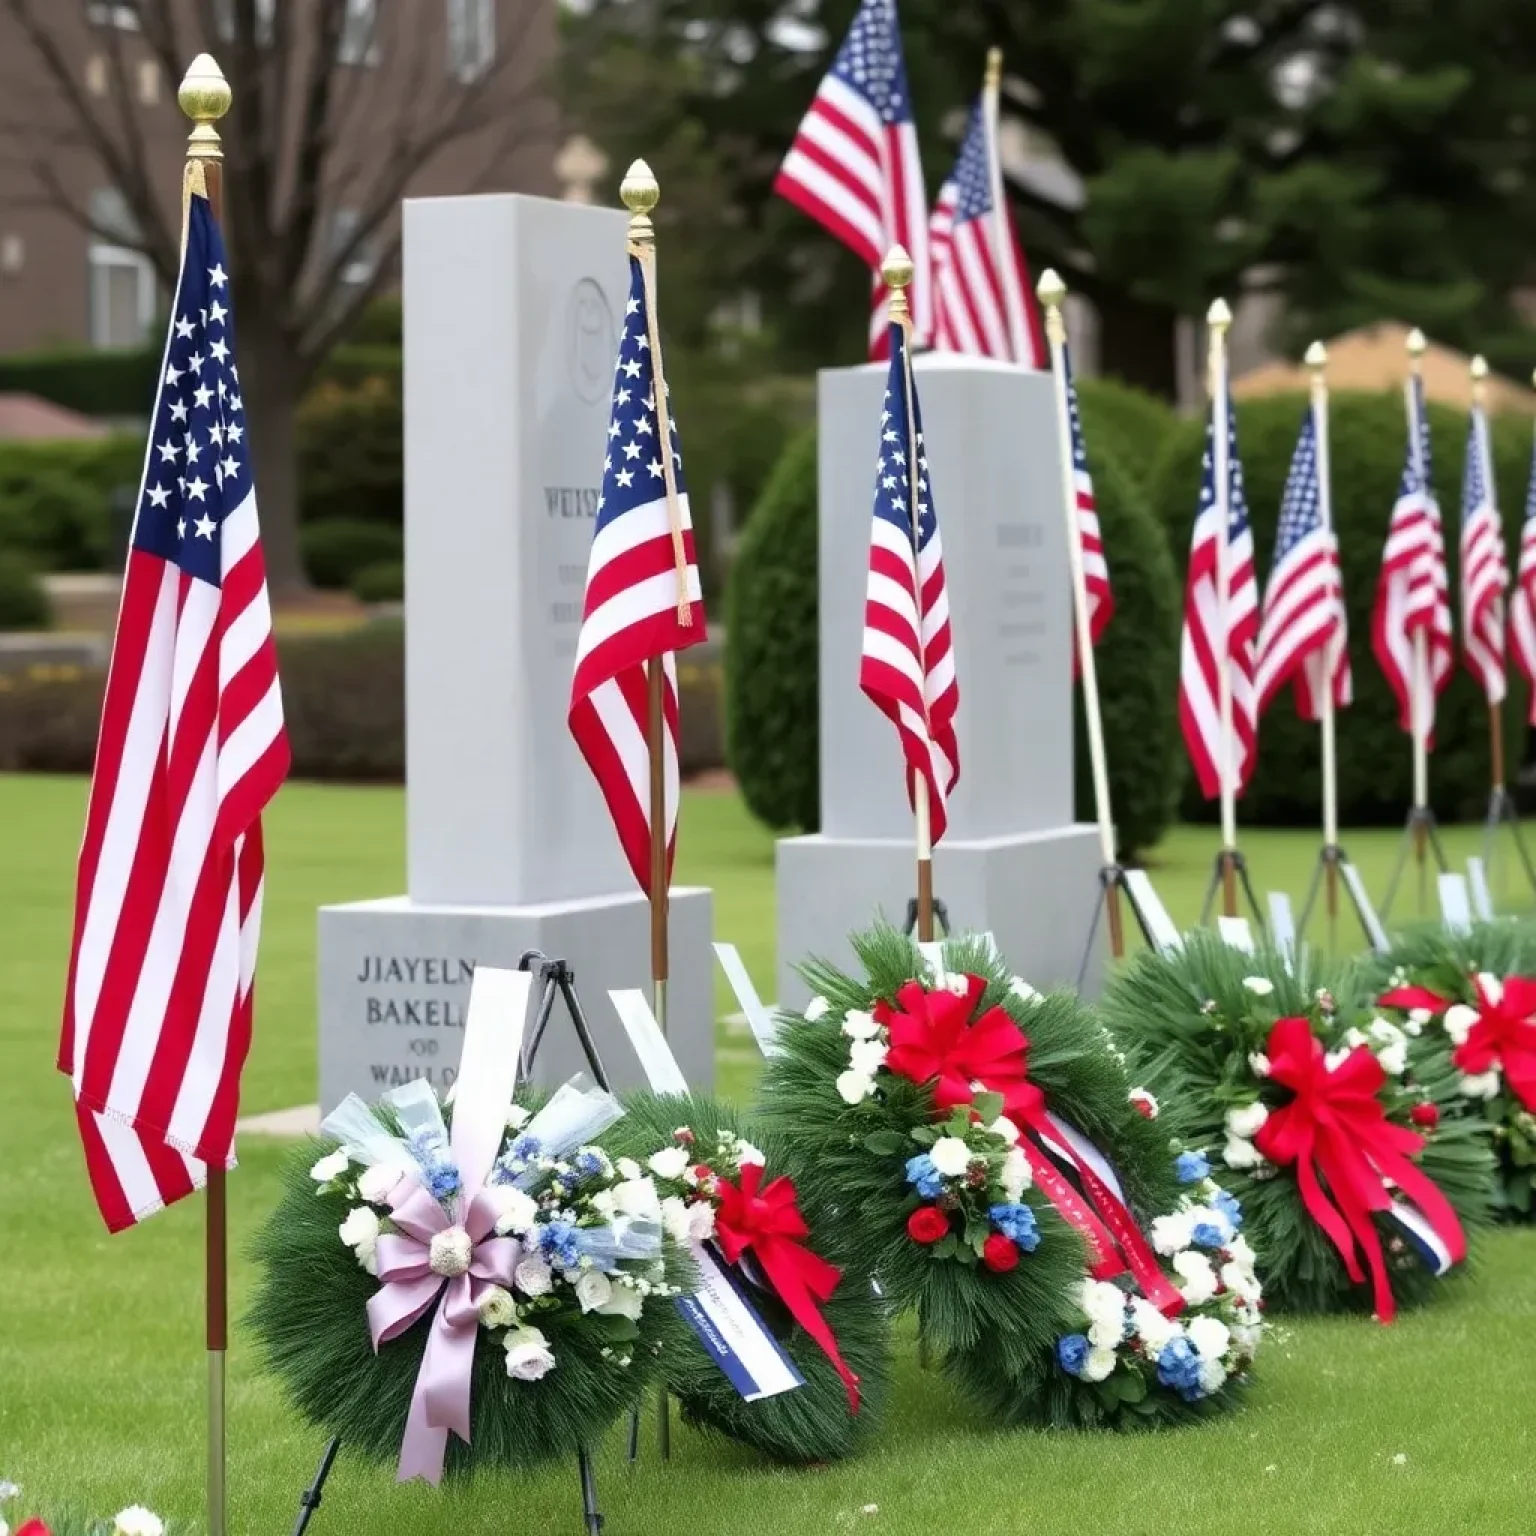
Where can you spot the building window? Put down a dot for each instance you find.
(122, 14)
(96, 75)
(359, 33)
(360, 266)
(149, 83)
(224, 21)
(122, 296)
(471, 37)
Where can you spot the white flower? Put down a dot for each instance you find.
(854, 1087)
(5, 1529)
(1212, 1374)
(593, 1290)
(627, 1168)
(1258, 1064)
(1260, 986)
(377, 1184)
(1103, 1303)
(1354, 1037)
(668, 1163)
(1194, 1269)
(1015, 1175)
(747, 1154)
(517, 1117)
(1246, 1119)
(1459, 1019)
(1239, 1153)
(361, 1227)
(955, 981)
(1239, 1251)
(859, 1025)
(532, 1276)
(1416, 1020)
(1171, 1234)
(1334, 1059)
(674, 1217)
(1493, 987)
(529, 1357)
(1099, 1364)
(519, 1211)
(950, 1156)
(1246, 1338)
(1481, 1085)
(817, 1008)
(9, 1490)
(866, 1057)
(1105, 1335)
(331, 1166)
(1240, 1280)
(1394, 1058)
(1400, 1459)
(1152, 1328)
(497, 1309)
(1005, 1128)
(625, 1301)
(637, 1197)
(1209, 1335)
(137, 1521)
(1022, 990)
(701, 1221)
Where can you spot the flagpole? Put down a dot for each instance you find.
(1420, 703)
(1479, 372)
(1052, 292)
(896, 269)
(204, 96)
(1317, 361)
(1002, 245)
(1219, 318)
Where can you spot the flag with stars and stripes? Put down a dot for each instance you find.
(1522, 601)
(854, 167)
(1096, 588)
(1484, 575)
(1413, 594)
(1304, 634)
(984, 303)
(157, 1012)
(1213, 639)
(631, 617)
(907, 663)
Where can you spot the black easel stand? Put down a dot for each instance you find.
(1112, 878)
(1419, 830)
(557, 980)
(1331, 862)
(1232, 858)
(1502, 811)
(940, 917)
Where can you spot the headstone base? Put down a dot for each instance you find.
(394, 983)
(1034, 892)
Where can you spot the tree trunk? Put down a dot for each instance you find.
(1138, 343)
(271, 380)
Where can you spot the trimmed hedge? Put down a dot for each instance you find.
(23, 603)
(772, 727)
(335, 551)
(381, 582)
(1375, 767)
(351, 454)
(55, 499)
(1126, 422)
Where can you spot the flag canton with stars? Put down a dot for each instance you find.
(1416, 470)
(198, 468)
(870, 61)
(1474, 486)
(893, 487)
(1237, 501)
(1075, 417)
(633, 472)
(973, 172)
(1301, 507)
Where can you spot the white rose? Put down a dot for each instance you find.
(747, 1154)
(1152, 1328)
(367, 1255)
(1015, 1175)
(1260, 986)
(637, 1197)
(518, 1211)
(866, 1057)
(854, 1087)
(1481, 1085)
(137, 1521)
(532, 1276)
(625, 1301)
(1172, 1233)
(1239, 1251)
(1493, 987)
(497, 1309)
(1022, 990)
(361, 1226)
(1099, 1364)
(859, 1025)
(604, 1204)
(674, 1217)
(817, 1008)
(955, 981)
(377, 1184)
(593, 1290)
(668, 1163)
(1246, 1339)
(1004, 1128)
(1459, 1019)
(1354, 1037)
(529, 1357)
(331, 1166)
(950, 1156)
(1416, 1020)
(1212, 1374)
(517, 1117)
(1239, 1153)
(627, 1168)
(1258, 1064)
(1246, 1120)
(1103, 1303)
(701, 1222)
(1394, 1058)
(1241, 1281)
(1209, 1335)
(1194, 1269)
(1105, 1335)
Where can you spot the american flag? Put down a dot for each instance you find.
(157, 1013)
(1101, 600)
(1522, 602)
(631, 614)
(984, 302)
(854, 166)
(1413, 591)
(1304, 620)
(1484, 576)
(908, 663)
(1209, 644)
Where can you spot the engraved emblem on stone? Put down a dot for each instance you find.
(590, 340)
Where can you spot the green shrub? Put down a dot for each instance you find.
(58, 522)
(1127, 422)
(381, 324)
(381, 582)
(351, 455)
(349, 367)
(92, 380)
(336, 551)
(23, 603)
(1374, 759)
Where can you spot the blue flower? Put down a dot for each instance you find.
(588, 1164)
(1018, 1222)
(1229, 1207)
(524, 1149)
(927, 1178)
(1072, 1352)
(569, 1178)
(557, 1241)
(1207, 1234)
(1179, 1367)
(1191, 1167)
(443, 1179)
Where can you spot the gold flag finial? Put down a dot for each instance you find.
(896, 269)
(1052, 293)
(1218, 316)
(994, 76)
(1479, 372)
(204, 95)
(640, 193)
(1316, 357)
(1417, 345)
(1479, 367)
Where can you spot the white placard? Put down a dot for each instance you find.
(488, 1061)
(1368, 918)
(933, 953)
(1477, 883)
(1282, 927)
(1455, 904)
(656, 1059)
(1235, 932)
(1138, 885)
(760, 1020)
(733, 1334)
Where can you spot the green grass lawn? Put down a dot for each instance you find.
(101, 1368)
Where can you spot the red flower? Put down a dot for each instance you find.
(702, 1172)
(34, 1527)
(999, 1253)
(684, 1135)
(1504, 1036)
(927, 1224)
(1143, 1103)
(1426, 1115)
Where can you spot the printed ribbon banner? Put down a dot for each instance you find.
(1336, 1129)
(1502, 1035)
(766, 1219)
(933, 1039)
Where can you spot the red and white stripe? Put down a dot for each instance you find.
(1484, 575)
(1522, 601)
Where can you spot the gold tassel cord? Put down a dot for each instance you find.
(194, 183)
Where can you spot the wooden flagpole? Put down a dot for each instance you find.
(1419, 710)
(204, 96)
(1317, 361)
(1052, 291)
(1002, 243)
(896, 269)
(1219, 318)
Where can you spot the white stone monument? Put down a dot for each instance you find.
(510, 340)
(1012, 862)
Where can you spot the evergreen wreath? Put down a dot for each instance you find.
(1466, 1006)
(567, 1339)
(971, 1203)
(1250, 1049)
(694, 1146)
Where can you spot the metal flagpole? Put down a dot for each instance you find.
(204, 96)
(1317, 361)
(1219, 317)
(1002, 243)
(1421, 683)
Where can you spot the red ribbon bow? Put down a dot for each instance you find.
(766, 1219)
(932, 1039)
(1336, 1127)
(1504, 1035)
